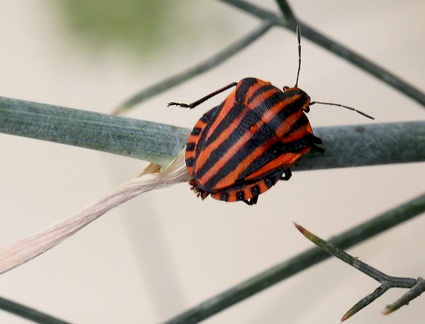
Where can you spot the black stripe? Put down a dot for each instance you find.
(196, 131)
(224, 196)
(255, 190)
(241, 91)
(269, 183)
(301, 122)
(296, 146)
(288, 110)
(261, 91)
(275, 151)
(190, 146)
(251, 118)
(233, 113)
(205, 118)
(190, 162)
(243, 87)
(240, 195)
(262, 135)
(262, 160)
(208, 117)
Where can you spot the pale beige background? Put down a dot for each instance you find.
(166, 251)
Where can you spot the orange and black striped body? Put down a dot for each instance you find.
(241, 148)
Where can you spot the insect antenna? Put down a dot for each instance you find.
(342, 106)
(298, 31)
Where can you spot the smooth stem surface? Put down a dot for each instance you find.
(28, 313)
(158, 143)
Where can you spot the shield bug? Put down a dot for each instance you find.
(242, 147)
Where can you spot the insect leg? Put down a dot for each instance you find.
(251, 201)
(314, 141)
(317, 148)
(198, 102)
(288, 174)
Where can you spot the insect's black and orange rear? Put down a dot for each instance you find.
(241, 148)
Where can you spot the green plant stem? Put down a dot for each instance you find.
(287, 12)
(368, 270)
(28, 313)
(301, 262)
(371, 144)
(158, 143)
(334, 47)
(387, 282)
(378, 292)
(208, 64)
(345, 146)
(416, 291)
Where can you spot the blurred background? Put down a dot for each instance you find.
(166, 251)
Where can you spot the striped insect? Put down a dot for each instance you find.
(241, 148)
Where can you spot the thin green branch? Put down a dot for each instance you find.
(28, 313)
(287, 12)
(258, 12)
(336, 48)
(301, 262)
(342, 255)
(416, 290)
(378, 292)
(387, 282)
(345, 146)
(208, 64)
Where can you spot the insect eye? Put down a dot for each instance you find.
(285, 88)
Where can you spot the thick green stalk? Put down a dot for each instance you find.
(345, 146)
(158, 143)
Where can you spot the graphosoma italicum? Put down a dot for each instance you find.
(241, 148)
